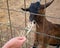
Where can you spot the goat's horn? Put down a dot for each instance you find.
(46, 5)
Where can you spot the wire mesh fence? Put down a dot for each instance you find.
(16, 21)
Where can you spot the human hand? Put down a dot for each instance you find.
(15, 42)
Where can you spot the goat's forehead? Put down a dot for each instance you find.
(35, 5)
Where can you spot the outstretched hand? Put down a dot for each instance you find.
(16, 42)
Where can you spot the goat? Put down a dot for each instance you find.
(43, 25)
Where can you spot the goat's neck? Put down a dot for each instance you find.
(40, 23)
(40, 19)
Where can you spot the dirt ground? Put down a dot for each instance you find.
(18, 19)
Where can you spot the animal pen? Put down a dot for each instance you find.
(14, 21)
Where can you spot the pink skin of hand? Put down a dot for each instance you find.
(16, 42)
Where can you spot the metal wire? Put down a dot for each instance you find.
(25, 11)
(30, 13)
(9, 18)
(44, 34)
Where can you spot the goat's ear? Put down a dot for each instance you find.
(27, 9)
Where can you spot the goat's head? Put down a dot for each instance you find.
(36, 8)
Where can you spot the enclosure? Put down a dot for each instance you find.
(13, 20)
